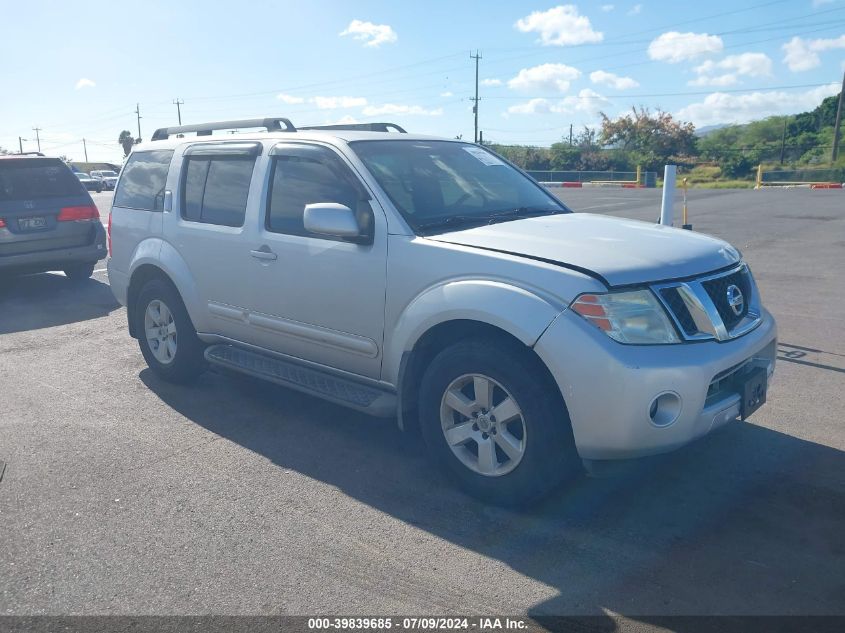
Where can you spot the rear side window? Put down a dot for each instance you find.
(33, 178)
(215, 189)
(143, 180)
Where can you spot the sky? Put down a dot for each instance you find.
(79, 70)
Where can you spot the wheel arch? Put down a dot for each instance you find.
(156, 258)
(439, 337)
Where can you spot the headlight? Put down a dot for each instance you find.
(628, 317)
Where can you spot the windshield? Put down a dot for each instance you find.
(82, 176)
(444, 185)
(108, 174)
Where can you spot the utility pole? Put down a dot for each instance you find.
(179, 103)
(85, 147)
(476, 57)
(570, 135)
(783, 141)
(37, 137)
(838, 124)
(138, 114)
(20, 143)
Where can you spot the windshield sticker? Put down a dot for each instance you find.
(485, 157)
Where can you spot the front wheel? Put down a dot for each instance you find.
(167, 337)
(490, 416)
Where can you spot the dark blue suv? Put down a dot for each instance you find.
(48, 220)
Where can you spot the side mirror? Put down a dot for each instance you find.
(336, 220)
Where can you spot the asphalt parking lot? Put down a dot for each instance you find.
(125, 495)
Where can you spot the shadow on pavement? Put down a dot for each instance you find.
(745, 521)
(31, 302)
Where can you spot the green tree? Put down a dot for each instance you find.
(650, 139)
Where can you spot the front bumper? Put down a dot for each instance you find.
(56, 259)
(609, 387)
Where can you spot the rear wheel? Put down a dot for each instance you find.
(167, 337)
(491, 417)
(78, 272)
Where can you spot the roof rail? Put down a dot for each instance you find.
(361, 127)
(271, 124)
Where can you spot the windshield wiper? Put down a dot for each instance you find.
(519, 213)
(494, 217)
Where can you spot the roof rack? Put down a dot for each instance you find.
(361, 127)
(273, 124)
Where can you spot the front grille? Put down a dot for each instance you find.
(717, 289)
(676, 304)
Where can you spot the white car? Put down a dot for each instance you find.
(430, 280)
(107, 177)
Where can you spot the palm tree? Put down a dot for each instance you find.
(126, 140)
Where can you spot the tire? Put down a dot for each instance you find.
(541, 447)
(174, 353)
(80, 272)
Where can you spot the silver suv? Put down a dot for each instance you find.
(431, 280)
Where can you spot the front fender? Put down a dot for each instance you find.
(515, 310)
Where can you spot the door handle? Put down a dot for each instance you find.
(264, 253)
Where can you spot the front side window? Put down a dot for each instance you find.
(308, 175)
(142, 183)
(445, 185)
(215, 189)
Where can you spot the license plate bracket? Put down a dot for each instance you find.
(752, 389)
(35, 223)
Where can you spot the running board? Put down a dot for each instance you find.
(311, 381)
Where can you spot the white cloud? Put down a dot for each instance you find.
(331, 103)
(289, 98)
(560, 26)
(491, 82)
(587, 101)
(345, 120)
(636, 9)
(392, 108)
(371, 34)
(674, 47)
(721, 107)
(84, 83)
(607, 8)
(545, 77)
(534, 106)
(716, 81)
(614, 81)
(801, 54)
(727, 72)
(446, 94)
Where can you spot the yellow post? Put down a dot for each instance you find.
(639, 172)
(759, 176)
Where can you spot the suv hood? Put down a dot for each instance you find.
(622, 252)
